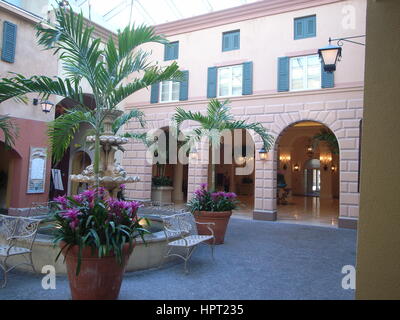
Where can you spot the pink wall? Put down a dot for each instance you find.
(31, 134)
(263, 40)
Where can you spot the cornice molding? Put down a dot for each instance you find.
(254, 10)
(340, 88)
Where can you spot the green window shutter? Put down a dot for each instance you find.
(171, 51)
(298, 29)
(184, 87)
(247, 78)
(155, 92)
(212, 82)
(236, 40)
(231, 40)
(310, 27)
(305, 27)
(175, 51)
(283, 74)
(327, 79)
(9, 42)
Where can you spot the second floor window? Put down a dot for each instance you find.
(231, 40)
(305, 27)
(305, 73)
(169, 91)
(171, 51)
(230, 81)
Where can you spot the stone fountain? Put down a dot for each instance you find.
(111, 173)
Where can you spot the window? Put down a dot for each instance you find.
(231, 40)
(305, 73)
(171, 51)
(230, 81)
(305, 27)
(169, 91)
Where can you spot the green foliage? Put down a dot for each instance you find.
(92, 220)
(106, 70)
(329, 137)
(204, 200)
(9, 129)
(161, 181)
(212, 125)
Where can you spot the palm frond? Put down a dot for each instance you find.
(218, 119)
(62, 130)
(126, 117)
(151, 76)
(328, 137)
(9, 129)
(137, 136)
(70, 37)
(18, 86)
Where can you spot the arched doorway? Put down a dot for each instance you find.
(7, 160)
(238, 174)
(169, 177)
(77, 156)
(308, 175)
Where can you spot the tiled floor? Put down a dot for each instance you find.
(299, 210)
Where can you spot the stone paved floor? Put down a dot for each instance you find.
(259, 260)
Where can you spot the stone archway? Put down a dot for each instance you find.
(347, 134)
(8, 158)
(309, 193)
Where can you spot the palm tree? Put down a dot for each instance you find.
(106, 70)
(212, 125)
(9, 129)
(329, 137)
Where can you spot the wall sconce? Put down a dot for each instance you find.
(263, 153)
(285, 159)
(333, 168)
(296, 167)
(331, 54)
(325, 160)
(46, 106)
(193, 154)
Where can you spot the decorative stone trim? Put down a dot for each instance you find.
(265, 215)
(348, 223)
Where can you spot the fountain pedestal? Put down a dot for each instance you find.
(111, 173)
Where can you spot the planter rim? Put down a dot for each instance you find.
(212, 213)
(162, 188)
(87, 250)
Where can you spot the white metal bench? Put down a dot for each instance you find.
(181, 232)
(13, 229)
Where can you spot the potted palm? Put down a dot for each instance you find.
(208, 205)
(217, 119)
(97, 236)
(214, 207)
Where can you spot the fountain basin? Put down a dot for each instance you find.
(145, 255)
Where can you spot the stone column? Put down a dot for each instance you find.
(177, 194)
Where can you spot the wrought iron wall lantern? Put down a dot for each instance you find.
(263, 153)
(331, 54)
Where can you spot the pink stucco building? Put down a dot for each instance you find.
(263, 57)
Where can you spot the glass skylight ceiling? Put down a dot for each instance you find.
(116, 14)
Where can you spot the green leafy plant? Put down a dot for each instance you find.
(204, 200)
(329, 137)
(90, 219)
(161, 181)
(105, 70)
(9, 129)
(211, 125)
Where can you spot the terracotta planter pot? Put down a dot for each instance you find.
(99, 278)
(221, 220)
